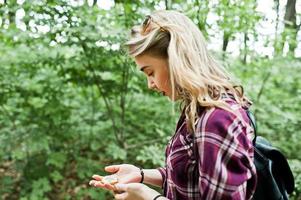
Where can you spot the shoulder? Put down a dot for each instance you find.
(215, 120)
(223, 122)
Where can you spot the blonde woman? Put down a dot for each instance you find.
(210, 156)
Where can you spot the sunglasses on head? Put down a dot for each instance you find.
(148, 20)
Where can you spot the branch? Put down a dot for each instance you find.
(262, 86)
(106, 100)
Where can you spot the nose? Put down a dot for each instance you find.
(151, 84)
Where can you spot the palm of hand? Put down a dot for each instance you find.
(128, 174)
(125, 173)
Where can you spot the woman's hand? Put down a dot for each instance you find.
(134, 191)
(125, 173)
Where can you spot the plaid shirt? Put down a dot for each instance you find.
(217, 163)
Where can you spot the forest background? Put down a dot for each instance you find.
(72, 101)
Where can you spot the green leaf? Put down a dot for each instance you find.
(37, 102)
(57, 159)
(116, 152)
(56, 176)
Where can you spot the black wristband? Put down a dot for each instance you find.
(156, 197)
(142, 175)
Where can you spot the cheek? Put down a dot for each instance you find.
(165, 82)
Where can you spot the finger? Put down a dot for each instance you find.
(97, 177)
(112, 168)
(100, 184)
(121, 196)
(97, 184)
(92, 182)
(121, 187)
(109, 186)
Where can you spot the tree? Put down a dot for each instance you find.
(291, 28)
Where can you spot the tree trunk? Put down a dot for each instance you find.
(225, 43)
(94, 2)
(291, 28)
(277, 49)
(168, 4)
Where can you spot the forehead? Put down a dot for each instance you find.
(147, 61)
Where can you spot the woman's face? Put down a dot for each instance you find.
(157, 73)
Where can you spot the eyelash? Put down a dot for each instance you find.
(150, 74)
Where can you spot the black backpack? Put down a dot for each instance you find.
(275, 179)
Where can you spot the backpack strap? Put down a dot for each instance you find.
(253, 123)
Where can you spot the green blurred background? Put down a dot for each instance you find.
(72, 101)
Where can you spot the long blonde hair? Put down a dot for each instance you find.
(195, 76)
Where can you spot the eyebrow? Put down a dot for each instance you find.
(144, 67)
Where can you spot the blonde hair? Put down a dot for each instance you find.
(195, 77)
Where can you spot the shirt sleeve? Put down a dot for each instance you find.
(162, 171)
(226, 168)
